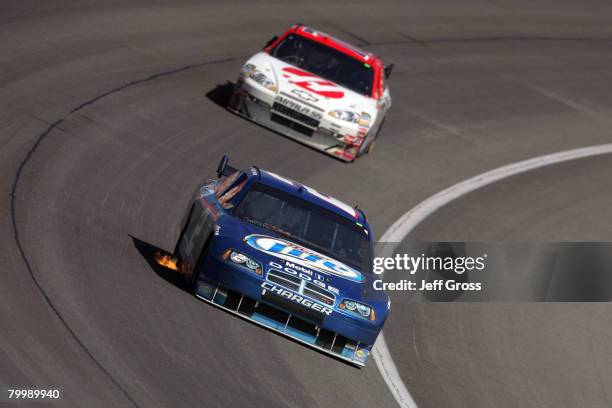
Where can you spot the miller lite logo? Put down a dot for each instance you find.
(292, 252)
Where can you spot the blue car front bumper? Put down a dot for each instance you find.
(240, 292)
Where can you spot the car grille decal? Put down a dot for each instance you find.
(322, 295)
(302, 287)
(295, 115)
(285, 280)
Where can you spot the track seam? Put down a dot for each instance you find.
(13, 207)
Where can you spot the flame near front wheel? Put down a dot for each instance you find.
(167, 261)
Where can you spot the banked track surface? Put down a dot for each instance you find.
(118, 105)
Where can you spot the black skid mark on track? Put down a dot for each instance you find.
(13, 194)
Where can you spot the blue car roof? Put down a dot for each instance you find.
(309, 194)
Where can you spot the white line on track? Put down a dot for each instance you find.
(407, 222)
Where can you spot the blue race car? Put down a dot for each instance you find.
(284, 256)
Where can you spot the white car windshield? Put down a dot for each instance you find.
(325, 62)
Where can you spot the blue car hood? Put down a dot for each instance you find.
(268, 247)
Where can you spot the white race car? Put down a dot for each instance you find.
(316, 89)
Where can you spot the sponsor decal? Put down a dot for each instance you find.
(303, 273)
(277, 290)
(304, 110)
(350, 139)
(289, 251)
(304, 95)
(313, 83)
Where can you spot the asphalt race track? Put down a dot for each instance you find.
(111, 113)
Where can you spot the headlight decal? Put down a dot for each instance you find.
(365, 119)
(347, 116)
(250, 71)
(239, 258)
(362, 118)
(247, 69)
(360, 309)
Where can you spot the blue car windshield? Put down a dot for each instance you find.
(307, 224)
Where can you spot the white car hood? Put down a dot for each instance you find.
(310, 88)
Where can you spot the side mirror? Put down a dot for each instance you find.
(271, 40)
(388, 70)
(224, 169)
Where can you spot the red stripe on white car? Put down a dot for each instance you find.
(315, 85)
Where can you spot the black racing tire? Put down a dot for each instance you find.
(193, 279)
(184, 224)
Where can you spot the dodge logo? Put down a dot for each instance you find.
(304, 95)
